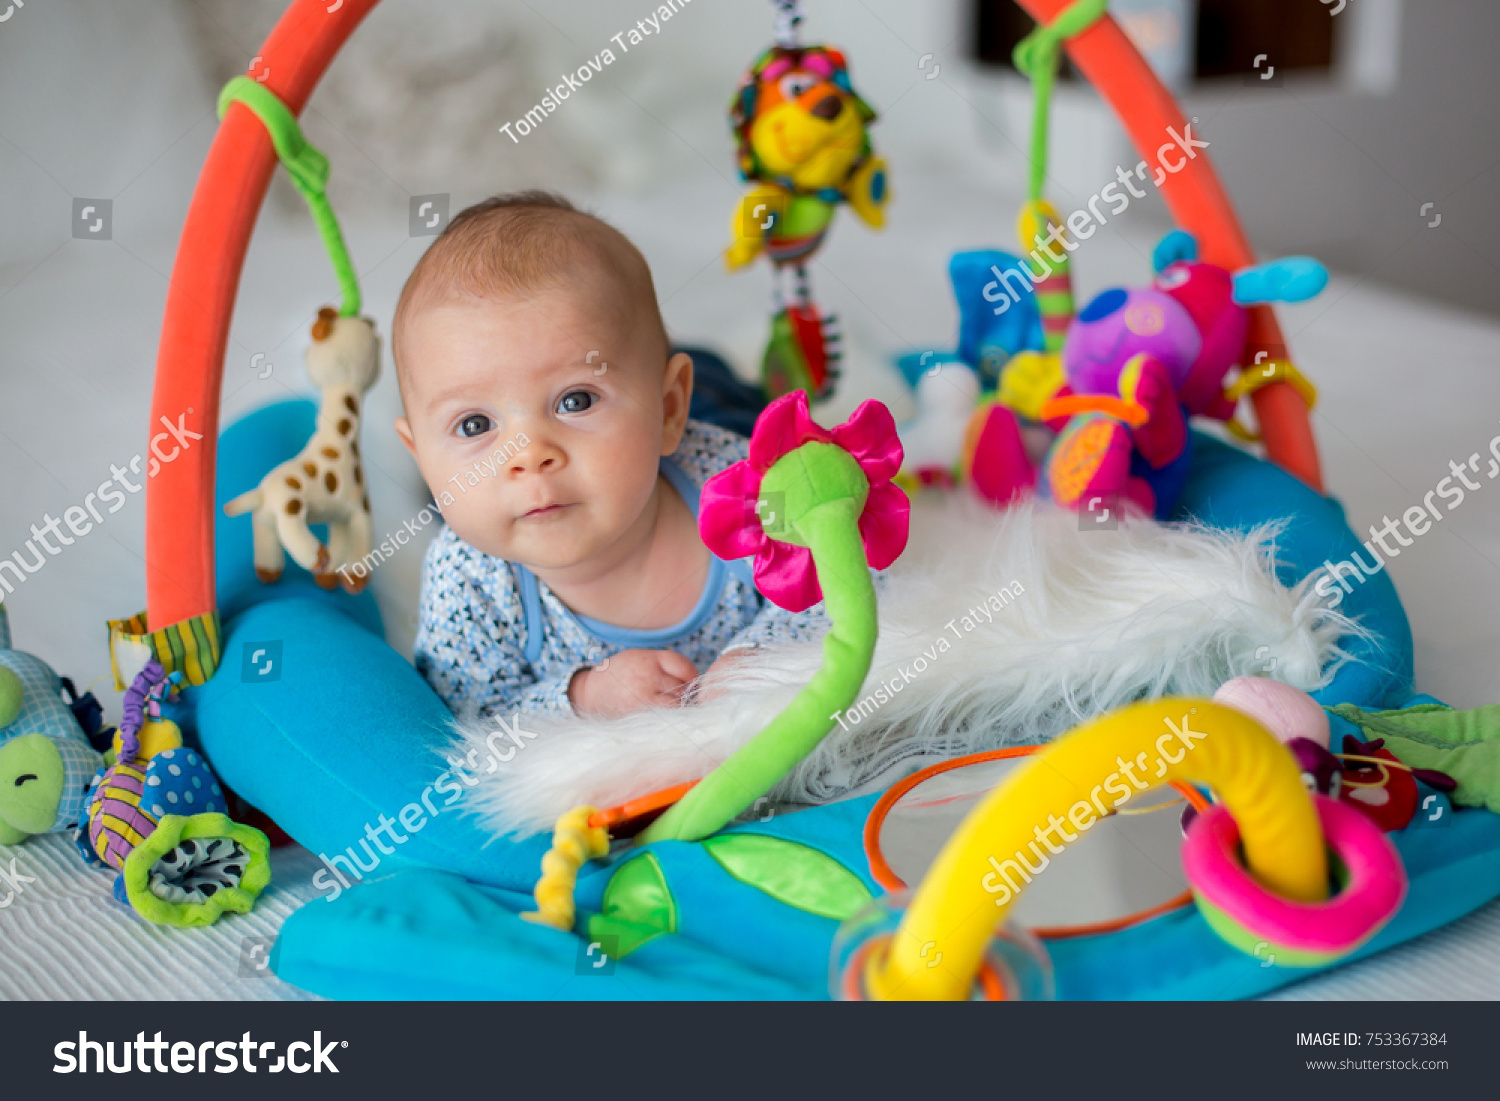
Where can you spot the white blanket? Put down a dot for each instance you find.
(995, 629)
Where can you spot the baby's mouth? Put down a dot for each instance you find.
(544, 511)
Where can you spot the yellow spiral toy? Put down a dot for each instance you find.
(574, 844)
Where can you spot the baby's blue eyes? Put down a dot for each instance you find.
(475, 424)
(574, 401)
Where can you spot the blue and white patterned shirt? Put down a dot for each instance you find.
(473, 643)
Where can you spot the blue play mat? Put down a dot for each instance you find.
(346, 733)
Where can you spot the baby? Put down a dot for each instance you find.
(538, 381)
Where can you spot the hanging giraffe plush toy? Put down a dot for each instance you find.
(325, 483)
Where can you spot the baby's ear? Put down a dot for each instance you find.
(677, 395)
(403, 429)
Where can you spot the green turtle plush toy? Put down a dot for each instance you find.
(46, 761)
(151, 808)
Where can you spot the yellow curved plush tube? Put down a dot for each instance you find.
(1060, 792)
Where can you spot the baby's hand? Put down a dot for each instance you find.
(632, 680)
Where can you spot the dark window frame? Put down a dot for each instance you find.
(1294, 36)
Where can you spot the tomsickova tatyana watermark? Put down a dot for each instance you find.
(392, 542)
(885, 691)
(488, 467)
(553, 98)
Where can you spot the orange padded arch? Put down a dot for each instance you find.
(1199, 204)
(200, 304)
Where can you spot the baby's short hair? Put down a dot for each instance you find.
(517, 244)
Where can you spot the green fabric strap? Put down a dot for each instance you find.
(308, 169)
(823, 491)
(1036, 57)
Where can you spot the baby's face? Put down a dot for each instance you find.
(542, 420)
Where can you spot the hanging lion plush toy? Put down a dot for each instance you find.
(804, 145)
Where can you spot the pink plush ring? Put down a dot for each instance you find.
(1296, 934)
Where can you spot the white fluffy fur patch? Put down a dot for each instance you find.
(1086, 621)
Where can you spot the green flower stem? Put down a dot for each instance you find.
(822, 492)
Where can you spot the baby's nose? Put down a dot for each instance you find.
(537, 457)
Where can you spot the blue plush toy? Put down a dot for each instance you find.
(998, 316)
(990, 332)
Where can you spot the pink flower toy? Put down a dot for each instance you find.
(818, 510)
